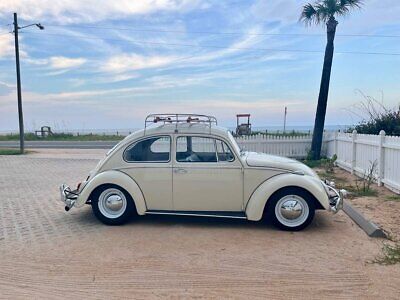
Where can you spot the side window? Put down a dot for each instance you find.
(155, 149)
(195, 149)
(224, 152)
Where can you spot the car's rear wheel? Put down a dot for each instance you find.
(112, 205)
(291, 209)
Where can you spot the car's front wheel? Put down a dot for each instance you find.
(112, 205)
(291, 209)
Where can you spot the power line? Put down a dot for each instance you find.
(220, 33)
(217, 47)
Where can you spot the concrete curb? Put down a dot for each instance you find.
(369, 227)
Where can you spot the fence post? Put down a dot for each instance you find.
(335, 141)
(354, 151)
(381, 157)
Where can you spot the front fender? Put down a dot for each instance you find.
(118, 178)
(255, 205)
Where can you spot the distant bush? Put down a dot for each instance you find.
(389, 122)
(377, 117)
(62, 137)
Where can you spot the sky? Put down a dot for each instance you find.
(107, 64)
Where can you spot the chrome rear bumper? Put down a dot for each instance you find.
(68, 197)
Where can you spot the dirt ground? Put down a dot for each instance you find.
(382, 209)
(46, 252)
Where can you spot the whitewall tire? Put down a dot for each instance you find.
(291, 209)
(112, 205)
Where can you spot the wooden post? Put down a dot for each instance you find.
(19, 93)
(335, 149)
(354, 151)
(381, 157)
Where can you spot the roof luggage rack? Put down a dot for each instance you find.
(179, 119)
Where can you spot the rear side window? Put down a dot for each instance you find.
(155, 149)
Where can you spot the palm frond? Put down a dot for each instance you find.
(351, 3)
(346, 5)
(322, 10)
(308, 15)
(330, 5)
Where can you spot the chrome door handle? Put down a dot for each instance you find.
(180, 171)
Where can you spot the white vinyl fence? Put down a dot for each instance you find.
(290, 146)
(356, 152)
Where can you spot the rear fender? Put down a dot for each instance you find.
(118, 178)
(259, 198)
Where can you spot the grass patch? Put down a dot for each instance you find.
(312, 163)
(62, 137)
(354, 192)
(327, 163)
(390, 255)
(10, 152)
(366, 193)
(392, 198)
(331, 177)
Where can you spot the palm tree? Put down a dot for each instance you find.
(325, 11)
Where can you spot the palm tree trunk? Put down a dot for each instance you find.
(324, 90)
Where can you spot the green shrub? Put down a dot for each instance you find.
(377, 117)
(329, 163)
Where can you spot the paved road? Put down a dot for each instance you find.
(47, 253)
(61, 144)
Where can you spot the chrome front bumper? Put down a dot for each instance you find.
(336, 197)
(68, 197)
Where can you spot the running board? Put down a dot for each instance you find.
(212, 214)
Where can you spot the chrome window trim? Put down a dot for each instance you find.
(149, 161)
(215, 146)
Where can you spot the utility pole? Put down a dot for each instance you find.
(284, 121)
(19, 94)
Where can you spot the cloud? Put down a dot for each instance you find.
(109, 116)
(61, 62)
(283, 11)
(6, 45)
(6, 88)
(57, 64)
(130, 62)
(126, 62)
(36, 61)
(88, 11)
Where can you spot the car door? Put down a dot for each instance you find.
(149, 163)
(206, 175)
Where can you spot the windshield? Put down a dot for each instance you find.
(234, 144)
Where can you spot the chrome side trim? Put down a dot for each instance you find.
(198, 214)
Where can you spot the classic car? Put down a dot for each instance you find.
(185, 164)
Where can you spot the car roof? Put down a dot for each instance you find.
(183, 128)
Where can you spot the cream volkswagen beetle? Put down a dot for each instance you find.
(184, 164)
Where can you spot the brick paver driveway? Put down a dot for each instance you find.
(46, 252)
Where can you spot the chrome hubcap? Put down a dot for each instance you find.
(112, 203)
(292, 210)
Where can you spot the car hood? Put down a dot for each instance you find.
(264, 160)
